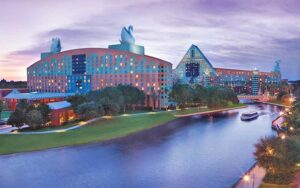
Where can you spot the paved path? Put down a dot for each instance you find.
(257, 173)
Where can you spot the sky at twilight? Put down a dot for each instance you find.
(241, 34)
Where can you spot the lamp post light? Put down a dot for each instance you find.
(282, 136)
(247, 178)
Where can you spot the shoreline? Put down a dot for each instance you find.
(118, 137)
(275, 104)
(210, 112)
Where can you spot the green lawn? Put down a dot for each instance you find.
(5, 114)
(100, 130)
(97, 131)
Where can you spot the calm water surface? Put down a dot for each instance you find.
(189, 152)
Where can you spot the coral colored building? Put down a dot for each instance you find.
(83, 70)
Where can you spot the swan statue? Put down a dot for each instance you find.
(126, 35)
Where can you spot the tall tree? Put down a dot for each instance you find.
(278, 157)
(132, 96)
(34, 119)
(22, 105)
(109, 97)
(17, 118)
(181, 94)
(76, 100)
(45, 111)
(87, 110)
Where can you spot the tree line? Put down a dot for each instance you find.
(107, 101)
(12, 84)
(187, 96)
(35, 116)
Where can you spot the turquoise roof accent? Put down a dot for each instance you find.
(59, 105)
(15, 94)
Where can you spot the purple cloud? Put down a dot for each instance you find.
(232, 33)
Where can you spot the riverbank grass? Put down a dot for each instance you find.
(97, 131)
(104, 129)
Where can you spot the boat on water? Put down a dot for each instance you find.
(247, 116)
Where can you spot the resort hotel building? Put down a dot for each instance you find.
(79, 71)
(60, 74)
(195, 68)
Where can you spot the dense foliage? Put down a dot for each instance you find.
(280, 155)
(185, 95)
(107, 101)
(33, 115)
(87, 110)
(17, 118)
(281, 88)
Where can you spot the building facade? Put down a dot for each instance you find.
(196, 68)
(82, 70)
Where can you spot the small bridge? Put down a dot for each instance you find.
(250, 97)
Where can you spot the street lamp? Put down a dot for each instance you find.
(247, 178)
(282, 136)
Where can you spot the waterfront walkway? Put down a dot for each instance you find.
(256, 175)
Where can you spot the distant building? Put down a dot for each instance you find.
(83, 70)
(196, 68)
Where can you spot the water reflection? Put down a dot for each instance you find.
(200, 151)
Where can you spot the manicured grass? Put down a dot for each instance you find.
(5, 114)
(100, 130)
(97, 131)
(198, 109)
